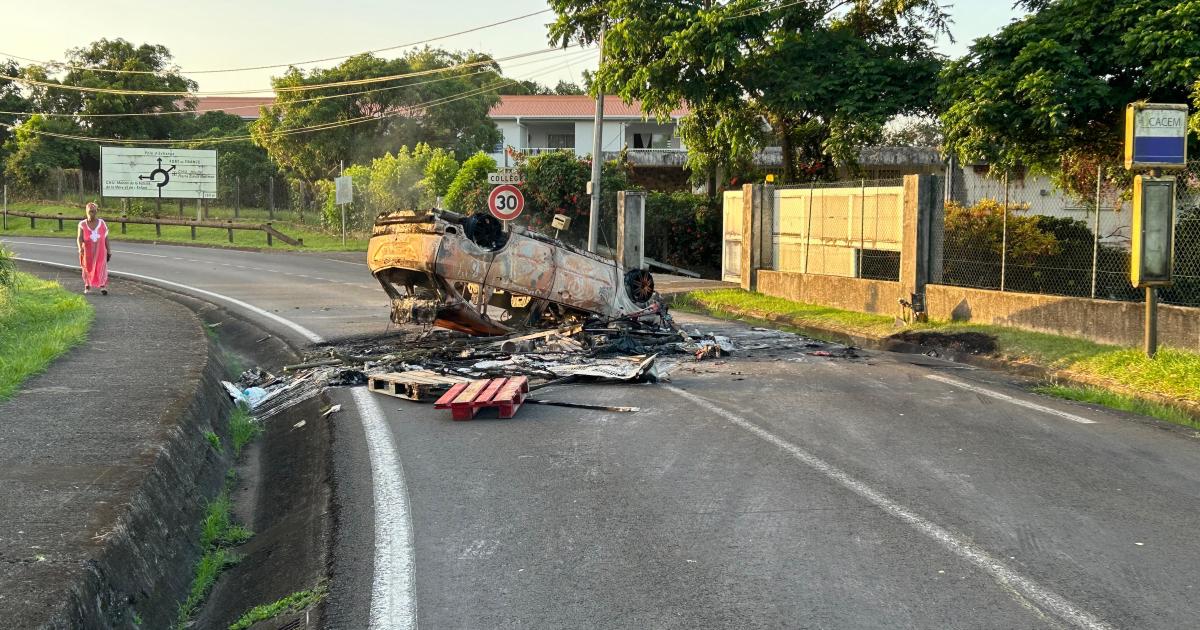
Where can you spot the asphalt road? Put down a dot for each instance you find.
(775, 489)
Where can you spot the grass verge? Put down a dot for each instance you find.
(1173, 373)
(292, 603)
(1097, 396)
(738, 303)
(39, 321)
(218, 535)
(314, 238)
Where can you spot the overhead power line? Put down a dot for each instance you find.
(59, 64)
(297, 130)
(571, 58)
(288, 88)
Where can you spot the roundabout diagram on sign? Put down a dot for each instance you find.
(153, 176)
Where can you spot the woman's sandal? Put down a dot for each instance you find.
(103, 290)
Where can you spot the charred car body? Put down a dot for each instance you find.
(466, 273)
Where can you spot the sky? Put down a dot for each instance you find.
(221, 34)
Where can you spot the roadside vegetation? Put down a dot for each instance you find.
(1105, 398)
(1172, 373)
(315, 239)
(39, 321)
(218, 536)
(292, 603)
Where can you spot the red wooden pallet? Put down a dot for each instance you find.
(464, 400)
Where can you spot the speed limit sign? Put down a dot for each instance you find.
(506, 202)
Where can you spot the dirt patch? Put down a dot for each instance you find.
(950, 343)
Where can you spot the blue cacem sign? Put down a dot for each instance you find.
(1155, 135)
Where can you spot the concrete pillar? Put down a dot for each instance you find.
(758, 224)
(751, 247)
(631, 229)
(919, 254)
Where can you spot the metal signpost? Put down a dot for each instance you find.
(343, 193)
(158, 173)
(1155, 139)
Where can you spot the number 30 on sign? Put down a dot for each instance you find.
(506, 202)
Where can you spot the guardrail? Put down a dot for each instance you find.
(124, 220)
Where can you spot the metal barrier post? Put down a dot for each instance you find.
(158, 229)
(60, 222)
(268, 231)
(1004, 236)
(230, 231)
(193, 232)
(124, 225)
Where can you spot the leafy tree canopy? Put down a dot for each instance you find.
(446, 109)
(823, 75)
(1049, 90)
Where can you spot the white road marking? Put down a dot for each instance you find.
(115, 251)
(961, 547)
(393, 598)
(1006, 398)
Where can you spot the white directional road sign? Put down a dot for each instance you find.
(506, 202)
(162, 173)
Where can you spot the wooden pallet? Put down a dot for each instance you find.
(418, 385)
(464, 400)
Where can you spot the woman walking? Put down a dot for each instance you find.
(94, 254)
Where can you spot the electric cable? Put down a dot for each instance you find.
(574, 57)
(286, 88)
(286, 132)
(59, 64)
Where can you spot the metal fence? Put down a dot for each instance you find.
(1019, 233)
(249, 197)
(847, 228)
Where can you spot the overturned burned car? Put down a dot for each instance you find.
(467, 273)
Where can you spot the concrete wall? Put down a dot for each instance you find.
(1103, 321)
(854, 294)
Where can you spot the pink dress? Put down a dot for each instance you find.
(94, 259)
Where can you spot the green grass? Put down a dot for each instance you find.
(218, 533)
(1106, 398)
(739, 302)
(39, 321)
(294, 602)
(1172, 373)
(314, 238)
(243, 428)
(213, 439)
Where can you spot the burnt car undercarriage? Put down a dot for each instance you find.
(467, 273)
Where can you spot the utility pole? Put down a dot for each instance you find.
(597, 159)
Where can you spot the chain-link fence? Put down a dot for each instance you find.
(252, 198)
(847, 228)
(1019, 233)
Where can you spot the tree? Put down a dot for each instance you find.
(11, 100)
(241, 164)
(444, 109)
(556, 183)
(468, 193)
(32, 156)
(1049, 90)
(820, 77)
(567, 88)
(119, 54)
